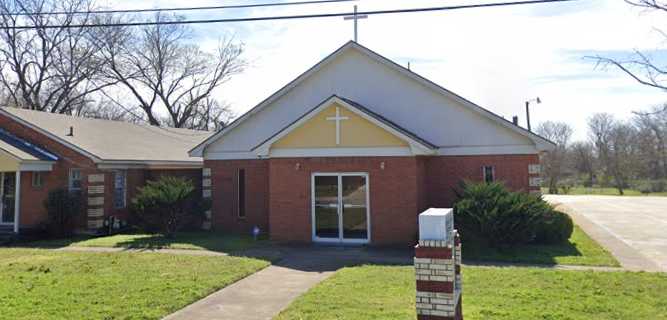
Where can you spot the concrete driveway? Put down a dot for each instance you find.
(633, 229)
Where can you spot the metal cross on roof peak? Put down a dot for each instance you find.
(356, 17)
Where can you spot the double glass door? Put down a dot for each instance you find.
(340, 207)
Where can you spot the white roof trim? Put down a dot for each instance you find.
(36, 166)
(417, 148)
(51, 136)
(541, 143)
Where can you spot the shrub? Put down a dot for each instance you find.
(500, 217)
(167, 205)
(554, 227)
(62, 208)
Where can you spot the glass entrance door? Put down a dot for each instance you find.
(340, 207)
(7, 194)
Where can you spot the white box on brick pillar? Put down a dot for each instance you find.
(438, 267)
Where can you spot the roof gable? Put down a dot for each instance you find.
(415, 103)
(358, 128)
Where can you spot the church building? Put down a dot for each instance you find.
(353, 150)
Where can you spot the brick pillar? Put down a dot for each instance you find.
(534, 178)
(438, 268)
(95, 208)
(206, 194)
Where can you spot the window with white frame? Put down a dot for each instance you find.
(119, 189)
(37, 179)
(74, 180)
(489, 174)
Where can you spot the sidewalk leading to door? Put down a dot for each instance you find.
(264, 294)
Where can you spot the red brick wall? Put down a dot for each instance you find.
(224, 211)
(32, 207)
(136, 178)
(393, 196)
(279, 190)
(445, 173)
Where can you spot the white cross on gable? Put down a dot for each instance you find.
(338, 119)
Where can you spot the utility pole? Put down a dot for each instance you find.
(356, 18)
(528, 110)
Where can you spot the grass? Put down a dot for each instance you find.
(579, 250)
(606, 192)
(183, 240)
(382, 292)
(45, 284)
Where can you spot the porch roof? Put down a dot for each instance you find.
(23, 150)
(18, 154)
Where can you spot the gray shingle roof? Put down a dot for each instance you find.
(115, 141)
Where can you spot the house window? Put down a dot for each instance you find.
(74, 180)
(36, 179)
(119, 189)
(489, 174)
(241, 192)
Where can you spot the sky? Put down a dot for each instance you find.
(495, 57)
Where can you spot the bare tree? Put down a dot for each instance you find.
(47, 69)
(616, 147)
(169, 75)
(641, 66)
(600, 126)
(652, 141)
(622, 156)
(554, 161)
(583, 160)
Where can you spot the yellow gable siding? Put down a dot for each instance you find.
(318, 132)
(8, 163)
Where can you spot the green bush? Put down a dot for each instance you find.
(554, 227)
(498, 216)
(168, 205)
(62, 207)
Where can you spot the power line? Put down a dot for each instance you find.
(238, 6)
(292, 17)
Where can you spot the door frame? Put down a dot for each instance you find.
(2, 199)
(340, 239)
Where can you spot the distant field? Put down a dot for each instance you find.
(606, 192)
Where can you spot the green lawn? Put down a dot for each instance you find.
(579, 250)
(605, 192)
(380, 292)
(45, 284)
(183, 240)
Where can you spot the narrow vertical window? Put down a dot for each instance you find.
(489, 174)
(241, 192)
(119, 189)
(74, 180)
(37, 179)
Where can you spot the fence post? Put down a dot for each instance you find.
(438, 267)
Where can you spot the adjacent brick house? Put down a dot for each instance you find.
(106, 161)
(353, 149)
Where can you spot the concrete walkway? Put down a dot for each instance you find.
(261, 295)
(633, 229)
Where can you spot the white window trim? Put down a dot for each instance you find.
(36, 174)
(115, 172)
(493, 173)
(70, 180)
